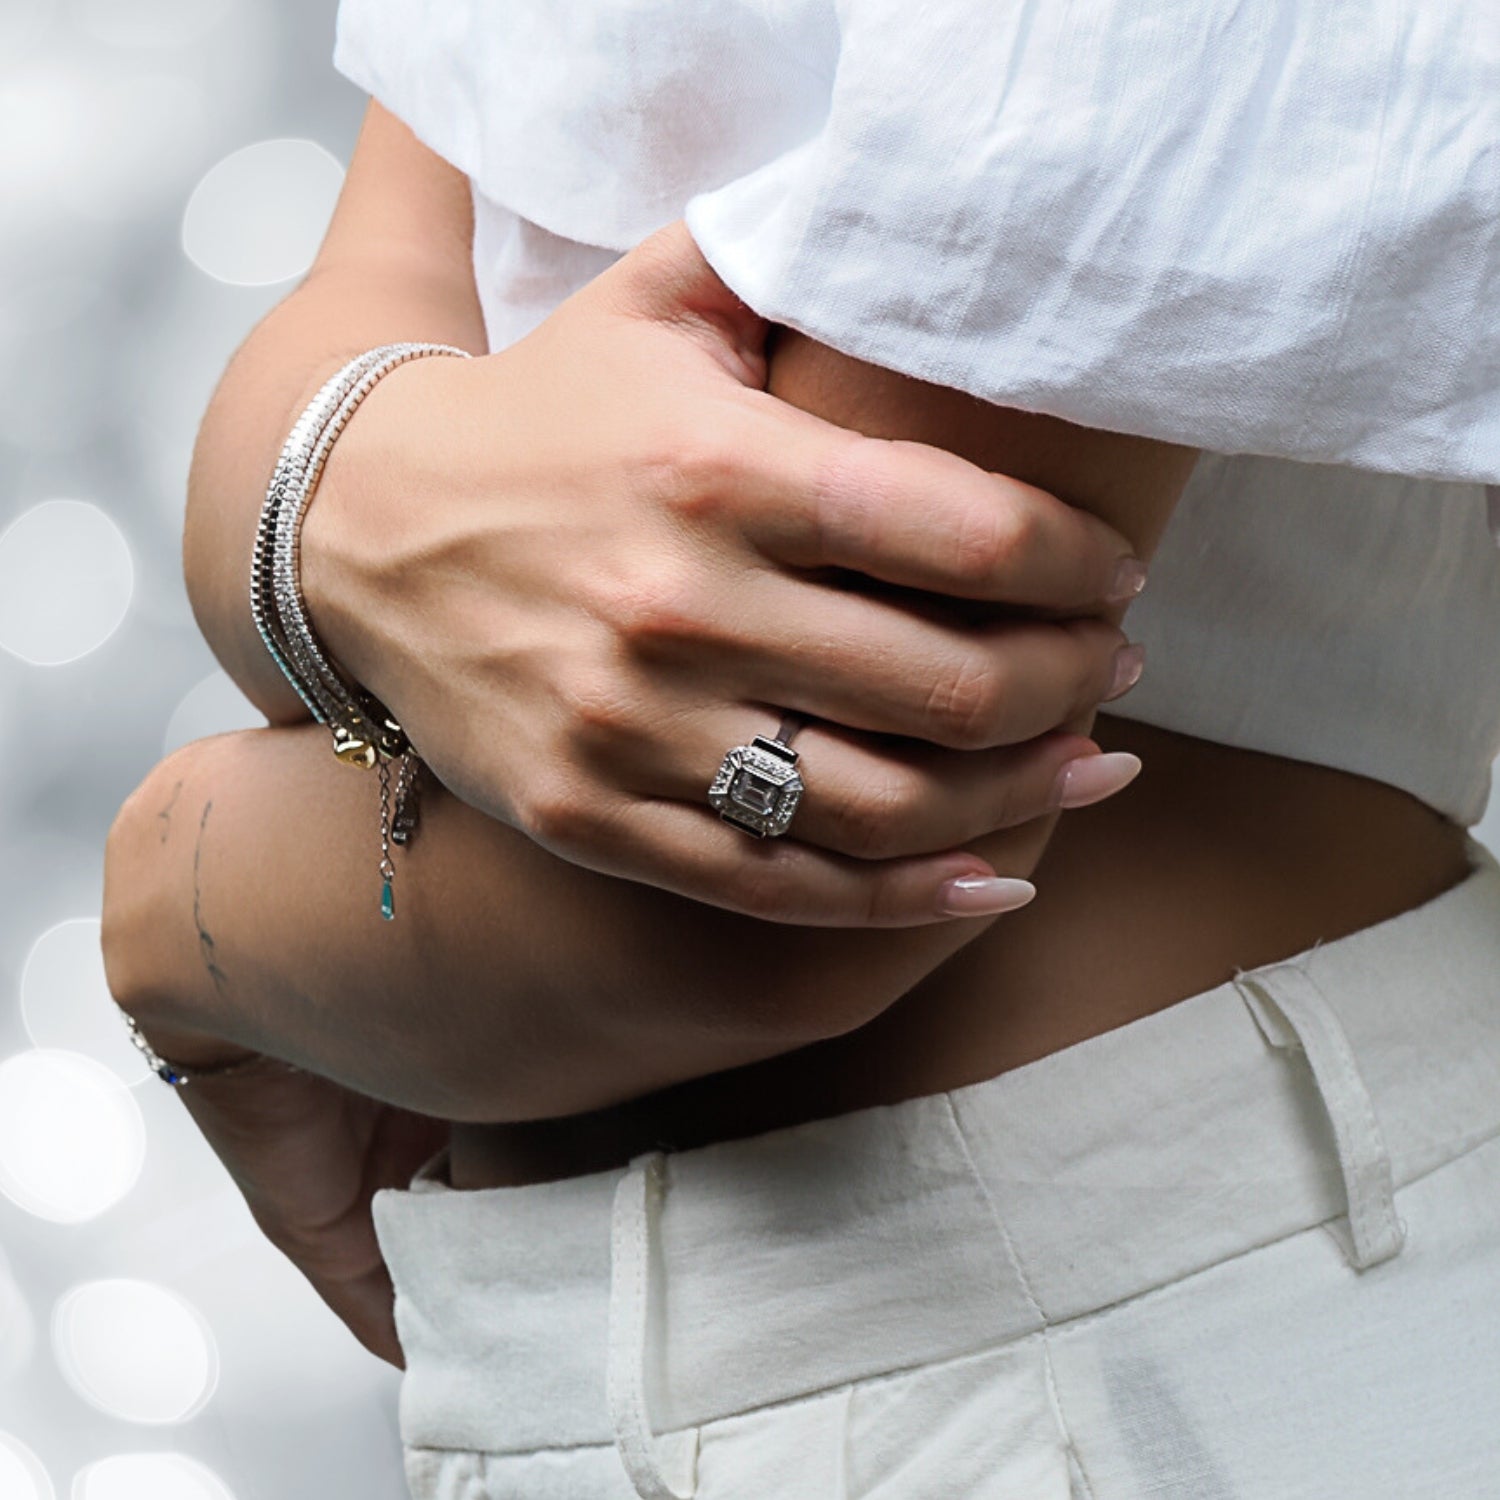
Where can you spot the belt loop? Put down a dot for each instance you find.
(632, 1229)
(1290, 994)
(1492, 497)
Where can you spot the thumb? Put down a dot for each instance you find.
(666, 279)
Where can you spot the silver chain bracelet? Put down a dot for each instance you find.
(365, 733)
(180, 1076)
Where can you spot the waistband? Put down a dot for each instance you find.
(703, 1283)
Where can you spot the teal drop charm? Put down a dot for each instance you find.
(387, 902)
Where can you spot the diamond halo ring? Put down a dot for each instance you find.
(757, 786)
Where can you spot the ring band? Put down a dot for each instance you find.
(757, 786)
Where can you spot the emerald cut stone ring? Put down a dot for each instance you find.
(757, 787)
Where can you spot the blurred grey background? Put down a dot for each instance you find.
(166, 170)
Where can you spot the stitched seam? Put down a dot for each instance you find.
(1036, 1307)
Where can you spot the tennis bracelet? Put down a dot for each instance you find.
(365, 733)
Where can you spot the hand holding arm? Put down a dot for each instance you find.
(581, 569)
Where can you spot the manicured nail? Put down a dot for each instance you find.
(1092, 778)
(983, 895)
(1129, 580)
(1130, 662)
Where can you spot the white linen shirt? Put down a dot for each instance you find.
(1268, 227)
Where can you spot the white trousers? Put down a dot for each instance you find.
(1246, 1247)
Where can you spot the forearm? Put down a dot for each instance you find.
(407, 282)
(242, 906)
(577, 989)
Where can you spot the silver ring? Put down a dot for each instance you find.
(757, 787)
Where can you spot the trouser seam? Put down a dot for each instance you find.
(1054, 1394)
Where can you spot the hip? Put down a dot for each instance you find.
(1222, 1249)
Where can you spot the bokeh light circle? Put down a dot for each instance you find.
(66, 578)
(135, 1351)
(72, 1140)
(22, 1476)
(149, 1476)
(65, 1000)
(258, 216)
(213, 706)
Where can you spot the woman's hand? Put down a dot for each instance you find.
(581, 570)
(308, 1156)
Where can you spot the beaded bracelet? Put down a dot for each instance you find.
(365, 733)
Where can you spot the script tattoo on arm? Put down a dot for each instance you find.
(205, 938)
(164, 817)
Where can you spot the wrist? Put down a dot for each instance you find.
(353, 546)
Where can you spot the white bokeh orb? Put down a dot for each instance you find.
(149, 1476)
(40, 132)
(72, 1140)
(135, 1351)
(258, 216)
(213, 706)
(22, 1476)
(140, 145)
(65, 1000)
(148, 23)
(66, 578)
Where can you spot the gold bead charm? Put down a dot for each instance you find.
(353, 751)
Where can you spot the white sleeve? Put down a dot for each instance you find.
(1254, 226)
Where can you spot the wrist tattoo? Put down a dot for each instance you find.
(205, 938)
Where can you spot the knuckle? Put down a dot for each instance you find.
(557, 815)
(875, 822)
(964, 703)
(654, 605)
(982, 542)
(692, 471)
(1023, 527)
(601, 708)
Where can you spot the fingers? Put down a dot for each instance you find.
(366, 1307)
(918, 516)
(865, 798)
(873, 665)
(690, 852)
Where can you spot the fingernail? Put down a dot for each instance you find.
(1092, 778)
(983, 895)
(1130, 662)
(1129, 580)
